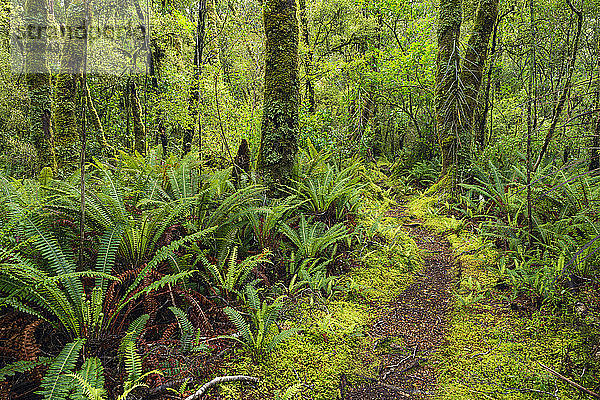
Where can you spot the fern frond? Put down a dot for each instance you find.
(186, 327)
(133, 362)
(241, 325)
(109, 245)
(18, 367)
(133, 332)
(280, 338)
(56, 384)
(89, 381)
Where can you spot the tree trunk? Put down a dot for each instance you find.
(280, 125)
(446, 81)
(475, 57)
(482, 106)
(194, 101)
(38, 85)
(308, 58)
(139, 131)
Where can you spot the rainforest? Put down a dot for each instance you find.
(299, 199)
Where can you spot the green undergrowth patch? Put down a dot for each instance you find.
(493, 351)
(491, 355)
(332, 341)
(390, 259)
(332, 338)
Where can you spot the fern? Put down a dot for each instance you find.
(133, 333)
(56, 384)
(290, 392)
(133, 361)
(186, 327)
(240, 324)
(109, 244)
(18, 367)
(89, 381)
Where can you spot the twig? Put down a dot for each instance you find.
(570, 382)
(221, 379)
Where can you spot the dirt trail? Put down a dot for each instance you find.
(411, 328)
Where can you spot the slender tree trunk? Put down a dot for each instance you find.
(308, 57)
(566, 88)
(475, 57)
(194, 101)
(483, 103)
(139, 130)
(38, 85)
(280, 125)
(446, 81)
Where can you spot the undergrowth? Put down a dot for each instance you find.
(332, 343)
(498, 337)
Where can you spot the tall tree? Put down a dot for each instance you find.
(38, 83)
(457, 87)
(446, 81)
(280, 125)
(308, 57)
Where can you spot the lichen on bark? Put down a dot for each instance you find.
(446, 80)
(280, 125)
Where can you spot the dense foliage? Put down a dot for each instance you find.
(141, 241)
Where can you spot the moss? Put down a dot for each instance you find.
(496, 356)
(491, 351)
(280, 121)
(330, 344)
(333, 339)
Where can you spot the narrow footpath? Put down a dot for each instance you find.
(412, 328)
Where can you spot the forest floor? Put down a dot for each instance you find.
(413, 326)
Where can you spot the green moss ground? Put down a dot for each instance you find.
(333, 339)
(494, 352)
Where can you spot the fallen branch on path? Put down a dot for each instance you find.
(221, 379)
(570, 382)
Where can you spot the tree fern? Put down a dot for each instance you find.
(56, 384)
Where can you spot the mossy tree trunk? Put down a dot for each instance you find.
(67, 83)
(476, 55)
(38, 84)
(457, 87)
(446, 81)
(280, 125)
(194, 100)
(139, 131)
(595, 148)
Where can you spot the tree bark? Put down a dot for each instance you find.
(194, 101)
(280, 125)
(308, 57)
(139, 131)
(475, 57)
(446, 81)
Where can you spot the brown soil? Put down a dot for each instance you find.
(413, 327)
